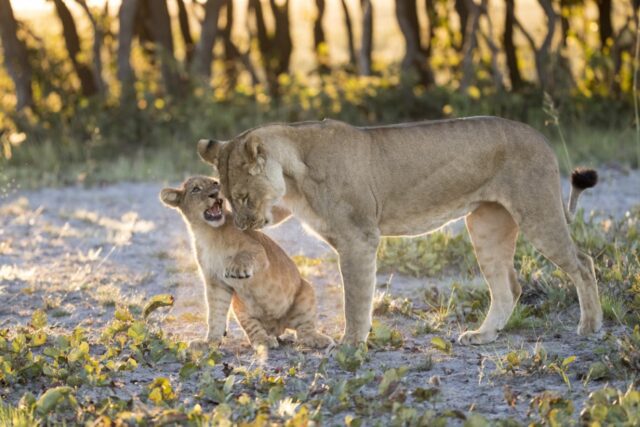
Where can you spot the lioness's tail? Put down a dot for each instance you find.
(581, 179)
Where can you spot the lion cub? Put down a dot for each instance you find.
(244, 269)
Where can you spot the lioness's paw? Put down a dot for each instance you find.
(477, 337)
(589, 326)
(238, 270)
(317, 340)
(353, 339)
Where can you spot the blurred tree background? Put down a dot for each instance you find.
(109, 90)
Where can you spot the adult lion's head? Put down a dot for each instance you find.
(251, 179)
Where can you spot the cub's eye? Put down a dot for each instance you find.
(196, 189)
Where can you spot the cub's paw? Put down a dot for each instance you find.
(267, 342)
(238, 269)
(202, 345)
(317, 340)
(477, 337)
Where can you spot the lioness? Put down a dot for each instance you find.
(352, 185)
(245, 269)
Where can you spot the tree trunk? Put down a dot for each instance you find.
(366, 45)
(463, 15)
(415, 56)
(185, 30)
(72, 41)
(126, 18)
(349, 27)
(470, 44)
(283, 46)
(543, 55)
(275, 49)
(432, 16)
(509, 46)
(98, 37)
(162, 36)
(15, 56)
(319, 40)
(231, 52)
(204, 48)
(605, 26)
(564, 22)
(143, 29)
(498, 79)
(261, 27)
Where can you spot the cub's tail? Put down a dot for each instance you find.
(581, 179)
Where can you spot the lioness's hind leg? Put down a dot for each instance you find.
(549, 233)
(302, 318)
(493, 235)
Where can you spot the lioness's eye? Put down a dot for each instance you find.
(242, 198)
(196, 189)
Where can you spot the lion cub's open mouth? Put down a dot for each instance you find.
(214, 213)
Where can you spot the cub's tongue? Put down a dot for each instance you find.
(214, 210)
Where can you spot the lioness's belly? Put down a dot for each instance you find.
(399, 223)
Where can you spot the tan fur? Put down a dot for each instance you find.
(247, 270)
(353, 185)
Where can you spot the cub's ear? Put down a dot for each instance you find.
(256, 155)
(209, 150)
(171, 197)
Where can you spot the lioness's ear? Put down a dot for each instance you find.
(257, 157)
(171, 197)
(209, 150)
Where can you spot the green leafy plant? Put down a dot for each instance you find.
(612, 407)
(562, 369)
(350, 358)
(382, 336)
(552, 409)
(442, 345)
(156, 302)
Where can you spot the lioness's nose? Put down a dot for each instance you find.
(214, 195)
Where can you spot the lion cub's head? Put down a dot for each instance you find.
(198, 200)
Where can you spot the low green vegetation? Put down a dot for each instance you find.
(70, 378)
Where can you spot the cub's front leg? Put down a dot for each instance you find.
(218, 303)
(246, 263)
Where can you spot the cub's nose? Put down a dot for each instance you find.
(215, 190)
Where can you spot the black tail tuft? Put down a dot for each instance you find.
(583, 178)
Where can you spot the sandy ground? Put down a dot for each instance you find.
(77, 251)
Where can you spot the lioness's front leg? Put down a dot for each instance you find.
(358, 271)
